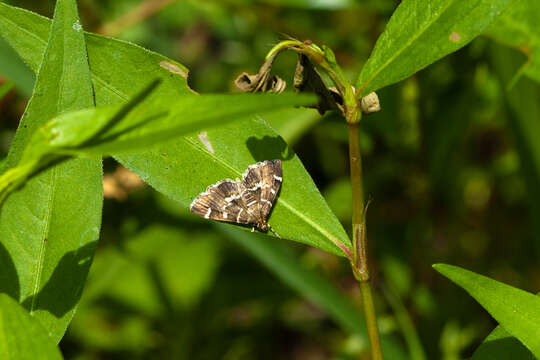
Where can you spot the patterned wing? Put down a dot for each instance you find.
(250, 189)
(261, 183)
(272, 178)
(222, 202)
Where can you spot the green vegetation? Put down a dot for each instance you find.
(117, 114)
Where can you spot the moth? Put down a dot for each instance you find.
(247, 201)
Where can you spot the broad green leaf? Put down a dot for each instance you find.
(421, 32)
(118, 68)
(189, 165)
(518, 27)
(276, 257)
(49, 228)
(517, 311)
(184, 168)
(21, 335)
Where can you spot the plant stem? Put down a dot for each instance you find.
(352, 111)
(371, 321)
(360, 261)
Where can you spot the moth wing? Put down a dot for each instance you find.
(223, 202)
(272, 177)
(251, 188)
(261, 183)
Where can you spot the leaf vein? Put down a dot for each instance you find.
(44, 235)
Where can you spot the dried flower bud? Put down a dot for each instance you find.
(262, 81)
(370, 103)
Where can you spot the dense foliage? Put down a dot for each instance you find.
(451, 168)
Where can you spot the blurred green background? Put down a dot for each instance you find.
(447, 166)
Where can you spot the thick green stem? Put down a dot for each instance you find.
(360, 262)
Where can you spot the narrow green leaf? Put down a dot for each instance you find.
(276, 257)
(518, 27)
(517, 311)
(184, 168)
(421, 32)
(152, 123)
(21, 336)
(406, 325)
(49, 228)
(523, 104)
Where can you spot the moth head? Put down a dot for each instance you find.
(262, 226)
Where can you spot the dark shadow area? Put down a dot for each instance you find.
(269, 148)
(63, 290)
(9, 281)
(505, 348)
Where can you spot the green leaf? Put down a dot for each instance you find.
(49, 228)
(421, 32)
(518, 27)
(188, 166)
(12, 67)
(184, 168)
(292, 123)
(522, 99)
(500, 345)
(517, 311)
(21, 336)
(154, 122)
(278, 259)
(406, 325)
(523, 104)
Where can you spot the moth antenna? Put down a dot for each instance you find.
(273, 232)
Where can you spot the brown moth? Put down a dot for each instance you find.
(246, 201)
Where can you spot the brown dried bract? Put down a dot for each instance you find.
(262, 81)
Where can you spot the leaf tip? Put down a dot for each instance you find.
(440, 267)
